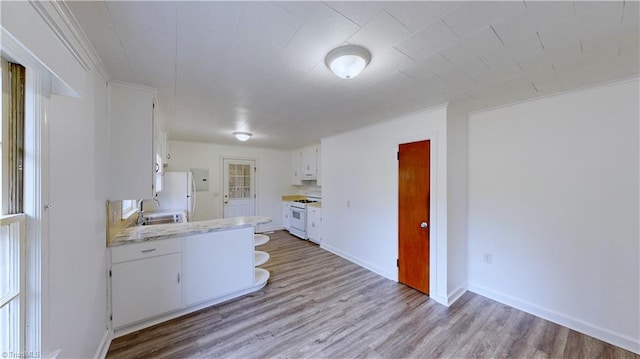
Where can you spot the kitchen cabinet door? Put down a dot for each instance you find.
(285, 215)
(131, 140)
(314, 224)
(309, 163)
(318, 165)
(158, 168)
(217, 264)
(144, 288)
(296, 163)
(159, 141)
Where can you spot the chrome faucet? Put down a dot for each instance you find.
(140, 216)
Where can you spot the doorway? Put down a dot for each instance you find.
(239, 183)
(413, 214)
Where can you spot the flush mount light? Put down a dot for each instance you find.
(242, 136)
(348, 61)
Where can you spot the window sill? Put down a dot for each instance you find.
(128, 214)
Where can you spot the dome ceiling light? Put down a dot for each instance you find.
(242, 136)
(348, 61)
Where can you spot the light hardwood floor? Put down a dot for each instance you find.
(318, 305)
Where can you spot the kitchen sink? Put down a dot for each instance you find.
(162, 219)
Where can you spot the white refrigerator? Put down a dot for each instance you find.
(178, 193)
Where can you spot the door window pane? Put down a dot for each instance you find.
(239, 181)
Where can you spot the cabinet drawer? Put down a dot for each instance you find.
(315, 210)
(129, 252)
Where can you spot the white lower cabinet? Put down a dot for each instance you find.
(159, 279)
(217, 264)
(285, 215)
(314, 224)
(147, 287)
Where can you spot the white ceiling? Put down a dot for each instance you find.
(220, 67)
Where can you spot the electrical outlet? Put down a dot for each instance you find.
(488, 258)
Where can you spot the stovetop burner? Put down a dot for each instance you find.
(305, 201)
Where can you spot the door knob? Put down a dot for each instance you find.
(423, 225)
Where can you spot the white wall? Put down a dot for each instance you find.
(273, 178)
(73, 249)
(553, 197)
(76, 276)
(360, 167)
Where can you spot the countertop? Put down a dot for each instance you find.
(137, 234)
(293, 197)
(315, 204)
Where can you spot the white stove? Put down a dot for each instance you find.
(298, 216)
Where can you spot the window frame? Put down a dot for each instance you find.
(13, 238)
(129, 207)
(38, 84)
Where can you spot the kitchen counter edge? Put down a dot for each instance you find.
(139, 234)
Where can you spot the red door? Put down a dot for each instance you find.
(413, 212)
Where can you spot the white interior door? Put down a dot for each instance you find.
(239, 195)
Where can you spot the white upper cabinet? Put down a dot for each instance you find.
(131, 138)
(159, 144)
(309, 164)
(318, 165)
(296, 163)
(158, 140)
(305, 165)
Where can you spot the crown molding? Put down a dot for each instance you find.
(64, 25)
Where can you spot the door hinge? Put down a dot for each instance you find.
(398, 263)
(111, 317)
(109, 273)
(255, 169)
(398, 155)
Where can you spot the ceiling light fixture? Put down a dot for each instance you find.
(348, 61)
(242, 136)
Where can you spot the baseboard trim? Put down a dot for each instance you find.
(453, 297)
(440, 299)
(358, 261)
(105, 343)
(595, 331)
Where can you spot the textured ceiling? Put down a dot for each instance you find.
(220, 67)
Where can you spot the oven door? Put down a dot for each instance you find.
(297, 218)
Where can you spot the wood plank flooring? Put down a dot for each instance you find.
(318, 305)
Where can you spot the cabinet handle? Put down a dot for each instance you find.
(157, 168)
(148, 250)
